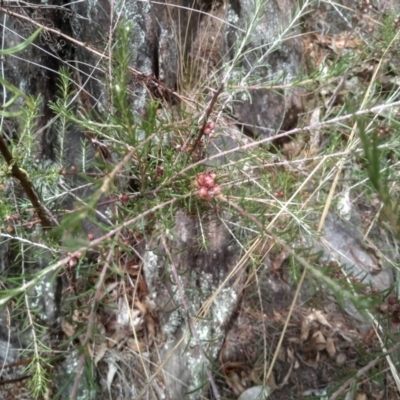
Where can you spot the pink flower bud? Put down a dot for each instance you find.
(209, 182)
(207, 131)
(216, 190)
(124, 198)
(200, 180)
(72, 262)
(211, 125)
(203, 192)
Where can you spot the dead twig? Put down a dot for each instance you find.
(26, 184)
(207, 114)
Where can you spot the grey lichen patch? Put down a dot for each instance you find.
(224, 305)
(196, 367)
(211, 334)
(91, 6)
(210, 327)
(174, 322)
(264, 54)
(130, 12)
(65, 378)
(43, 300)
(141, 44)
(151, 268)
(231, 16)
(167, 56)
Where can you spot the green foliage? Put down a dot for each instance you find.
(379, 177)
(39, 369)
(265, 194)
(389, 30)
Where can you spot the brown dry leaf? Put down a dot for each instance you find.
(294, 340)
(278, 317)
(320, 317)
(151, 327)
(80, 315)
(305, 330)
(294, 148)
(119, 334)
(330, 347)
(314, 52)
(141, 307)
(67, 328)
(143, 290)
(373, 252)
(138, 347)
(234, 382)
(339, 42)
(281, 355)
(342, 42)
(99, 352)
(318, 341)
(131, 269)
(361, 396)
(277, 262)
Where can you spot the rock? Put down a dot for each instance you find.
(45, 300)
(202, 272)
(255, 393)
(267, 111)
(226, 137)
(343, 243)
(9, 340)
(64, 380)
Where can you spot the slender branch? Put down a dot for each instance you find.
(308, 128)
(207, 114)
(25, 183)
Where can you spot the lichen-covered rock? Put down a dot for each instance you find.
(64, 381)
(204, 257)
(343, 244)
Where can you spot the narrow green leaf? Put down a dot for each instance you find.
(21, 46)
(17, 92)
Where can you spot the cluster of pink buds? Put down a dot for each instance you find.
(73, 261)
(209, 128)
(207, 187)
